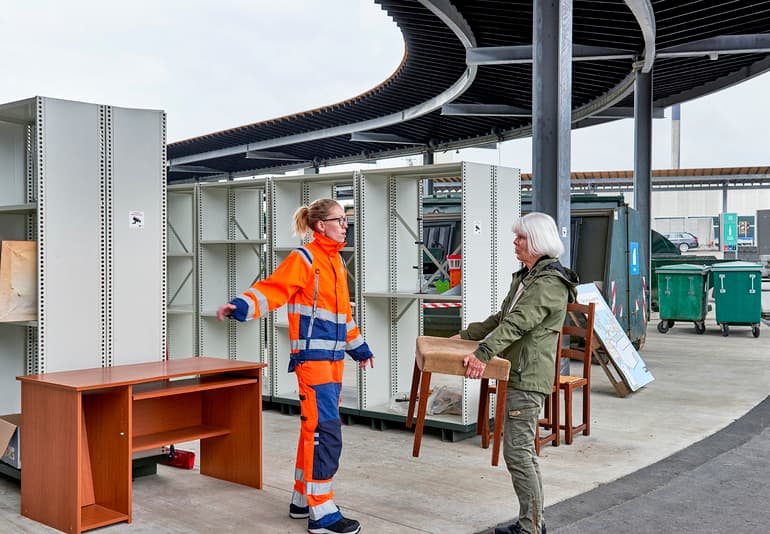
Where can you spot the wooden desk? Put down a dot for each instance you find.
(81, 427)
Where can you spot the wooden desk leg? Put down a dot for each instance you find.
(501, 386)
(413, 394)
(424, 394)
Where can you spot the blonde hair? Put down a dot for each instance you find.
(306, 216)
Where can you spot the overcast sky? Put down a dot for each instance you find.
(213, 66)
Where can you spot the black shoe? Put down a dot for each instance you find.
(298, 512)
(343, 526)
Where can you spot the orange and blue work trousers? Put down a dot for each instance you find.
(320, 439)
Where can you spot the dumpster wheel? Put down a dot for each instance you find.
(663, 327)
(700, 327)
(755, 330)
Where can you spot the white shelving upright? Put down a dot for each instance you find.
(231, 257)
(181, 265)
(72, 176)
(390, 249)
(286, 194)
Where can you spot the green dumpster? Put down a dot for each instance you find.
(738, 294)
(683, 295)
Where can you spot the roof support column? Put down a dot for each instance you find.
(552, 113)
(643, 159)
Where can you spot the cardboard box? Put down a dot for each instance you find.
(10, 439)
(18, 281)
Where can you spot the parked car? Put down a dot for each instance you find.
(683, 240)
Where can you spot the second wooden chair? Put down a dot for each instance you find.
(579, 325)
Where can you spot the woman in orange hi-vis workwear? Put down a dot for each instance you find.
(313, 281)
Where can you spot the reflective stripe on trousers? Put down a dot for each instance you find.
(320, 438)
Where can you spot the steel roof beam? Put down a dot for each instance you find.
(724, 44)
(522, 54)
(645, 17)
(267, 155)
(502, 110)
(374, 137)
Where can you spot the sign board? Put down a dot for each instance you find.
(633, 257)
(728, 229)
(612, 337)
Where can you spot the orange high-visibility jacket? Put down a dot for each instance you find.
(313, 281)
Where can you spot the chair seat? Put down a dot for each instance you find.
(444, 355)
(572, 380)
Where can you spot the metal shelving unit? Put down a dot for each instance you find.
(389, 219)
(231, 255)
(87, 182)
(181, 266)
(286, 194)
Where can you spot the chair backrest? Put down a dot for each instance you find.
(579, 324)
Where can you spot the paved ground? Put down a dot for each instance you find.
(668, 458)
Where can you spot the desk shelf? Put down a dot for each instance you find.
(178, 387)
(179, 435)
(95, 516)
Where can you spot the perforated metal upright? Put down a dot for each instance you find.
(72, 174)
(181, 271)
(285, 195)
(389, 216)
(231, 241)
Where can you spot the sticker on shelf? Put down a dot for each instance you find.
(136, 219)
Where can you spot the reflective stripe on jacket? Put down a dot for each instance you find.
(313, 281)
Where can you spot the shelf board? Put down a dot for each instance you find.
(438, 297)
(189, 385)
(180, 255)
(95, 516)
(178, 435)
(179, 309)
(233, 242)
(21, 323)
(30, 207)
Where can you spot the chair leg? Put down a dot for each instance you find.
(413, 394)
(423, 405)
(483, 410)
(555, 416)
(587, 409)
(568, 415)
(501, 388)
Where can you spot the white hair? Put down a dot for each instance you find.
(541, 233)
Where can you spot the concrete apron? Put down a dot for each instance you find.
(702, 383)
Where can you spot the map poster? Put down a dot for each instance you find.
(613, 338)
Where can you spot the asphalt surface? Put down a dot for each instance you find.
(718, 485)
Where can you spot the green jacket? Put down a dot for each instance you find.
(526, 332)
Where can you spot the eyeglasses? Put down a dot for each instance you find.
(343, 221)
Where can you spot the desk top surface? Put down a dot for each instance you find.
(121, 375)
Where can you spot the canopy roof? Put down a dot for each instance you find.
(466, 80)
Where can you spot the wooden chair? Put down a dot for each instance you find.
(580, 324)
(551, 419)
(444, 355)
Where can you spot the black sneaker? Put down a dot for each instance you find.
(298, 512)
(343, 526)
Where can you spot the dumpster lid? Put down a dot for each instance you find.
(736, 266)
(683, 268)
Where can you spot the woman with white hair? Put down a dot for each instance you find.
(525, 331)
